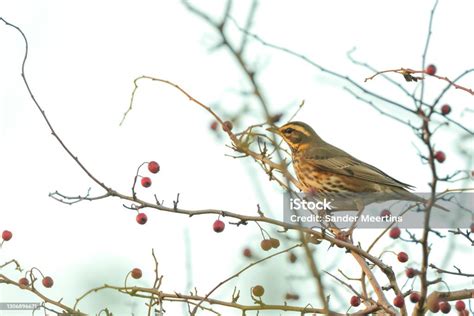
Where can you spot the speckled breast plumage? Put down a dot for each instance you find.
(316, 180)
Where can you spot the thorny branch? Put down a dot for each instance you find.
(351, 81)
(156, 296)
(407, 73)
(143, 204)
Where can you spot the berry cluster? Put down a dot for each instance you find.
(153, 167)
(439, 156)
(445, 110)
(23, 282)
(434, 306)
(445, 307)
(47, 282)
(268, 244)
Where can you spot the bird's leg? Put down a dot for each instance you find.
(360, 208)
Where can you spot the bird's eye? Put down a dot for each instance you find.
(289, 130)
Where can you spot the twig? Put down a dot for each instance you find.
(457, 272)
(408, 74)
(235, 275)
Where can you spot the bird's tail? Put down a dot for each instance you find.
(409, 196)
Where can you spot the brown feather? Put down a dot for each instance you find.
(329, 158)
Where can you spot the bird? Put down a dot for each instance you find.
(324, 169)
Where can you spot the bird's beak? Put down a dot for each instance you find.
(273, 129)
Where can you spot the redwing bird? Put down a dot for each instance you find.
(325, 169)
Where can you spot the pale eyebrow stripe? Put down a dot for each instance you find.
(299, 129)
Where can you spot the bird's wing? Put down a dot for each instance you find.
(334, 160)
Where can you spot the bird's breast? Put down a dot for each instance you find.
(317, 180)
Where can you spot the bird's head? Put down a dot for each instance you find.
(297, 135)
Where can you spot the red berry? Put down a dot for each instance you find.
(445, 109)
(247, 253)
(275, 242)
(399, 301)
(444, 307)
(136, 273)
(214, 125)
(410, 272)
(266, 244)
(23, 282)
(355, 301)
(472, 228)
(385, 213)
(402, 256)
(431, 70)
(258, 290)
(47, 282)
(227, 126)
(146, 182)
(464, 313)
(218, 226)
(433, 306)
(394, 232)
(460, 306)
(7, 235)
(153, 167)
(141, 218)
(414, 297)
(440, 156)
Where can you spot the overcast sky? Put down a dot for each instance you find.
(83, 58)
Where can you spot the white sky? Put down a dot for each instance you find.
(83, 58)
